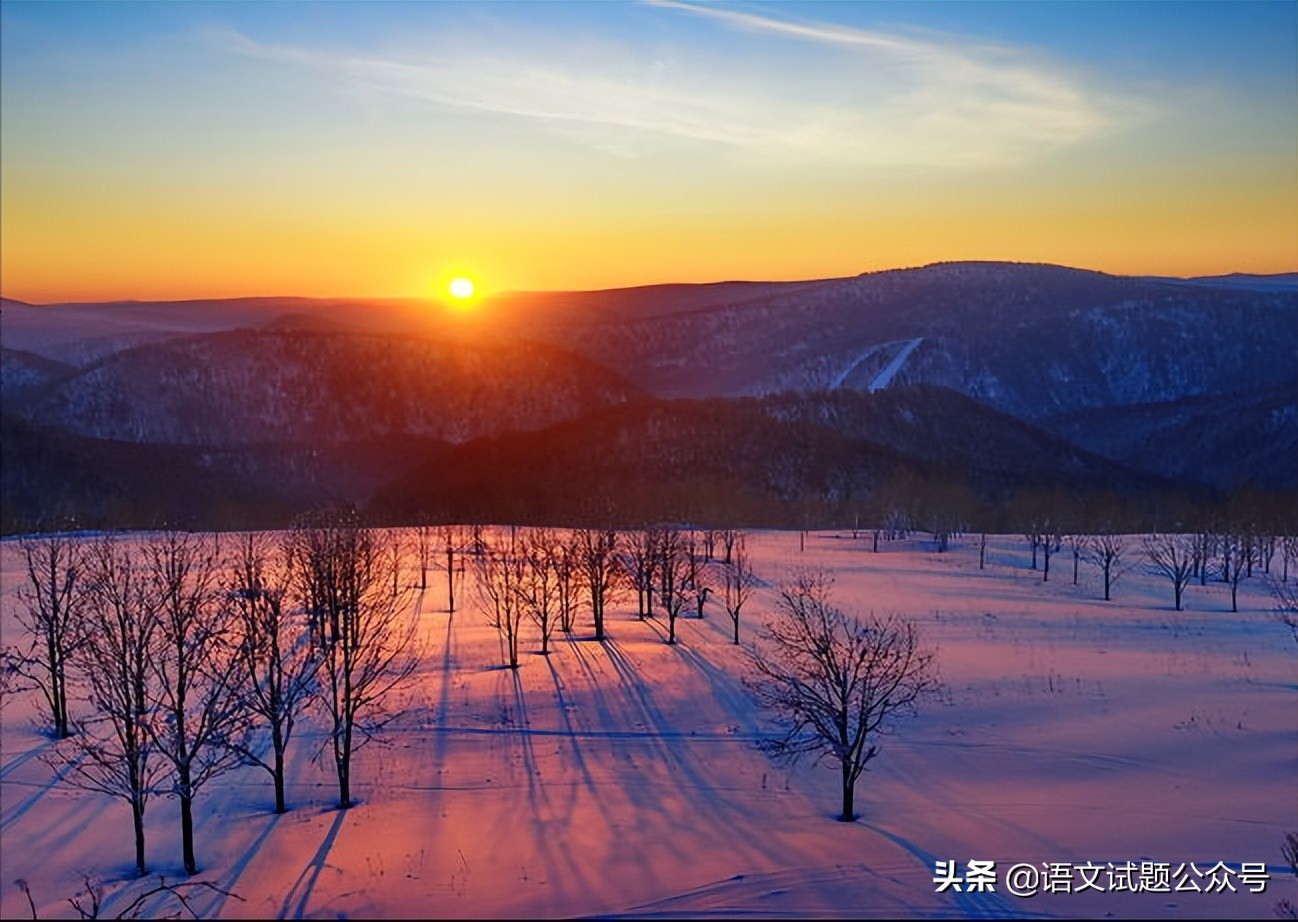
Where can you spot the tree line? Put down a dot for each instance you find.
(542, 576)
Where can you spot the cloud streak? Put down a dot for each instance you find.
(808, 93)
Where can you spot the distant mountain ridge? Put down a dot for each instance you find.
(1032, 340)
(995, 378)
(775, 461)
(248, 387)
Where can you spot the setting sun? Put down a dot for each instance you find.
(461, 288)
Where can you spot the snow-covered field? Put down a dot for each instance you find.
(622, 779)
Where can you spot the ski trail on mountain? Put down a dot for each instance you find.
(885, 377)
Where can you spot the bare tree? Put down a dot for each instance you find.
(368, 647)
(709, 544)
(1288, 554)
(539, 586)
(276, 661)
(89, 902)
(1205, 542)
(424, 537)
(896, 525)
(198, 723)
(728, 538)
(50, 602)
(1173, 557)
(673, 574)
(1051, 541)
(1107, 550)
(1033, 536)
(643, 553)
(738, 583)
(941, 526)
(500, 574)
(1265, 550)
(456, 542)
(836, 683)
(698, 579)
(1078, 544)
(982, 549)
(567, 569)
(597, 550)
(113, 664)
(1237, 552)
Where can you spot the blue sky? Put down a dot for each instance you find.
(164, 147)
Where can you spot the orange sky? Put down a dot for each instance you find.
(211, 151)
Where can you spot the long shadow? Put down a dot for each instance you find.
(641, 796)
(578, 759)
(724, 688)
(213, 911)
(745, 894)
(538, 794)
(20, 761)
(970, 905)
(19, 811)
(576, 733)
(311, 873)
(727, 814)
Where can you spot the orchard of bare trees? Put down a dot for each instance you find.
(166, 662)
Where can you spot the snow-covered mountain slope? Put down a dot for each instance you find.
(251, 387)
(1033, 340)
(1227, 441)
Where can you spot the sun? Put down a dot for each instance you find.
(461, 288)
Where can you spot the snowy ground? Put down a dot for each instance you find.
(621, 779)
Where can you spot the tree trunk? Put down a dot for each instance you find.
(137, 816)
(187, 830)
(280, 806)
(344, 783)
(450, 581)
(849, 789)
(60, 705)
(736, 630)
(1075, 556)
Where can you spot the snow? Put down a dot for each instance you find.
(885, 377)
(621, 779)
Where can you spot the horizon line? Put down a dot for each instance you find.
(642, 285)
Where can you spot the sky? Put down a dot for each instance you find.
(194, 150)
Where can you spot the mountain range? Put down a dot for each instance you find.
(760, 403)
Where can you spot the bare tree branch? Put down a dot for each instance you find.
(836, 683)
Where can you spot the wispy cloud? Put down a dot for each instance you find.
(871, 98)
